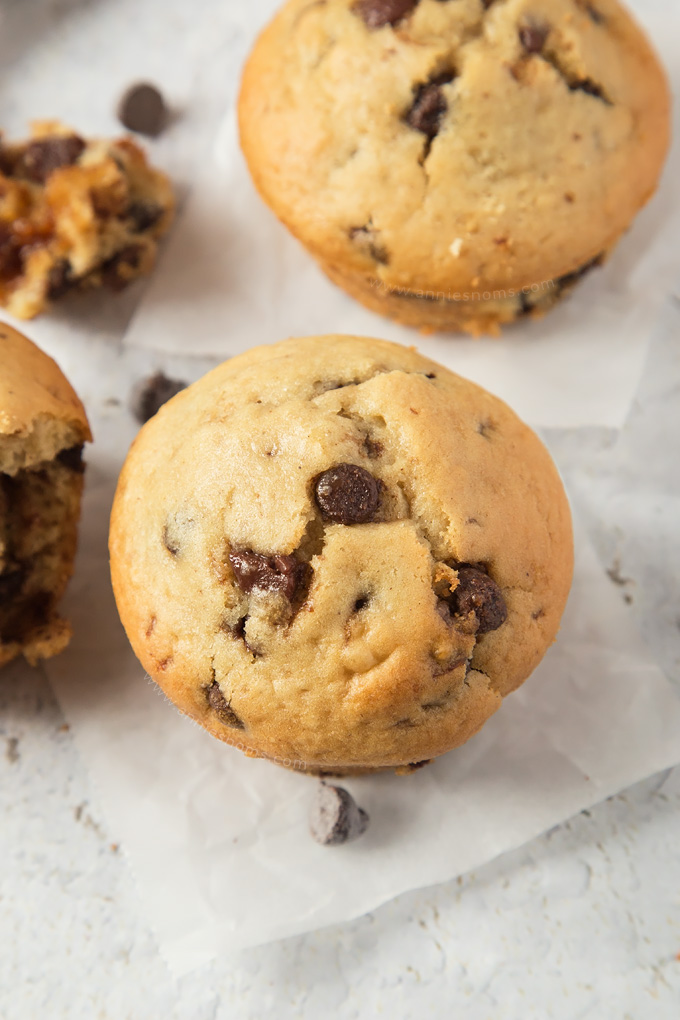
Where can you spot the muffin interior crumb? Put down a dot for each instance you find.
(38, 513)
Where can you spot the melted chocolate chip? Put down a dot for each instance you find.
(44, 156)
(347, 494)
(366, 239)
(222, 708)
(377, 13)
(11, 583)
(335, 817)
(144, 215)
(113, 270)
(170, 541)
(591, 88)
(533, 36)
(60, 279)
(72, 458)
(10, 254)
(429, 106)
(373, 448)
(277, 573)
(479, 594)
(142, 109)
(149, 395)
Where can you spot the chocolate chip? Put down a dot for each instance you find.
(525, 305)
(144, 215)
(222, 708)
(479, 594)
(347, 494)
(366, 239)
(11, 583)
(373, 447)
(429, 106)
(595, 16)
(45, 155)
(149, 395)
(276, 573)
(72, 458)
(170, 541)
(533, 36)
(60, 279)
(6, 161)
(113, 270)
(570, 279)
(335, 817)
(377, 13)
(361, 603)
(142, 109)
(10, 254)
(591, 88)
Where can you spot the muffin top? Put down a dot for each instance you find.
(447, 145)
(335, 552)
(40, 414)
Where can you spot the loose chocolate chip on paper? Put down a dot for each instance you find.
(45, 155)
(149, 395)
(222, 708)
(276, 573)
(378, 13)
(142, 109)
(335, 816)
(347, 494)
(479, 594)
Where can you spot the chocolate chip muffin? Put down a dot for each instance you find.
(42, 431)
(75, 213)
(455, 165)
(338, 555)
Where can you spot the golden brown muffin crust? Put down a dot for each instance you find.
(351, 653)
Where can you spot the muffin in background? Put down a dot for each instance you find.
(338, 555)
(455, 166)
(43, 427)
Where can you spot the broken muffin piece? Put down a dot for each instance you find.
(42, 431)
(76, 213)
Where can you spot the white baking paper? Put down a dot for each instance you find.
(219, 843)
(232, 277)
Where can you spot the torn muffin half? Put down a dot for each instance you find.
(43, 429)
(74, 214)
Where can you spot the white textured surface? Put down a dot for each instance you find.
(582, 923)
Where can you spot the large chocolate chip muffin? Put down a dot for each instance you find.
(455, 165)
(42, 431)
(339, 555)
